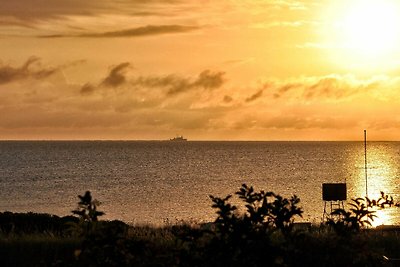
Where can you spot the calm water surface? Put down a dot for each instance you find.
(157, 182)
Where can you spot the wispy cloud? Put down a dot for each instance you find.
(283, 89)
(227, 99)
(134, 32)
(116, 77)
(198, 102)
(47, 9)
(254, 96)
(330, 87)
(95, 19)
(295, 122)
(87, 89)
(175, 85)
(30, 69)
(171, 84)
(290, 24)
(32, 10)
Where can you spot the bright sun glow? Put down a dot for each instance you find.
(368, 32)
(371, 26)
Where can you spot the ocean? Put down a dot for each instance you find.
(159, 182)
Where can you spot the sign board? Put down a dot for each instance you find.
(334, 192)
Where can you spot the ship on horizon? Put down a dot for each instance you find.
(178, 138)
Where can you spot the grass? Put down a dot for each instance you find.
(264, 235)
(188, 245)
(36, 250)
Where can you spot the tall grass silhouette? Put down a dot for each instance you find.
(260, 230)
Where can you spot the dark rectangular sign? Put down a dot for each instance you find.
(331, 192)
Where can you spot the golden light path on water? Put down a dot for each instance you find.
(381, 176)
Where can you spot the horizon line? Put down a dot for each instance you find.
(194, 140)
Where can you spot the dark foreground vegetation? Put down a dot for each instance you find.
(261, 233)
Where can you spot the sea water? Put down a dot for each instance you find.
(160, 182)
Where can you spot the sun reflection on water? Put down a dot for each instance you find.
(382, 218)
(381, 174)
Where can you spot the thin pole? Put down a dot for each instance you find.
(365, 162)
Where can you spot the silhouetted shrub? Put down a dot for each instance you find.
(87, 208)
(265, 212)
(260, 233)
(358, 217)
(250, 238)
(104, 243)
(382, 202)
(34, 223)
(87, 216)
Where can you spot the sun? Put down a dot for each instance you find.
(371, 26)
(367, 31)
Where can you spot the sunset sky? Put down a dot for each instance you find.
(209, 70)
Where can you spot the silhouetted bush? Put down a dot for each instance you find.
(382, 202)
(259, 232)
(87, 208)
(265, 213)
(251, 238)
(34, 223)
(358, 217)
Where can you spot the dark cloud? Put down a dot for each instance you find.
(206, 80)
(144, 31)
(327, 87)
(31, 10)
(286, 88)
(87, 89)
(227, 99)
(332, 87)
(30, 69)
(148, 13)
(116, 77)
(169, 81)
(7, 21)
(134, 32)
(175, 85)
(170, 84)
(209, 80)
(47, 9)
(255, 96)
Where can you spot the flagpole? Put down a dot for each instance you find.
(365, 162)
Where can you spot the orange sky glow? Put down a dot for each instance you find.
(209, 70)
